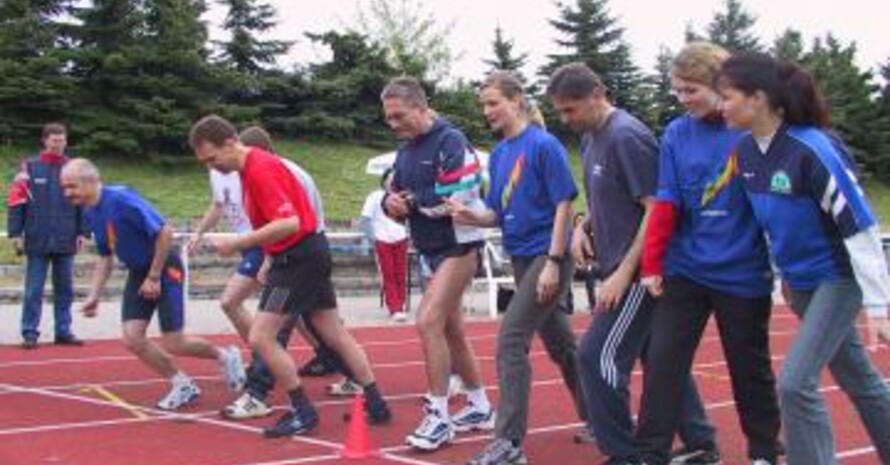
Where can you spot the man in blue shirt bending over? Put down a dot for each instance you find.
(126, 225)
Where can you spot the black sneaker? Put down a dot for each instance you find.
(317, 367)
(378, 412)
(621, 461)
(696, 455)
(29, 343)
(67, 340)
(293, 423)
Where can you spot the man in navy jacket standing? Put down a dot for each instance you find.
(49, 230)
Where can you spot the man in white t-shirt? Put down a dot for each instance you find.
(390, 241)
(226, 202)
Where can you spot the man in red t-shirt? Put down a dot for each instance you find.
(298, 266)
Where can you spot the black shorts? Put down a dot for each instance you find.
(170, 304)
(299, 280)
(434, 259)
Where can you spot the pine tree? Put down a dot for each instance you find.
(789, 46)
(590, 35)
(244, 51)
(145, 74)
(342, 96)
(885, 75)
(34, 85)
(664, 106)
(732, 29)
(689, 34)
(855, 113)
(504, 58)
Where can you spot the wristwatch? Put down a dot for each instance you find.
(556, 258)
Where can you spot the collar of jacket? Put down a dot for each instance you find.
(51, 158)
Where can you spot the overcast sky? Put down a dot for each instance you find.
(648, 25)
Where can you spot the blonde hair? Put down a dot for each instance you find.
(699, 62)
(509, 84)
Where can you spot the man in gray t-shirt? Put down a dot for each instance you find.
(620, 176)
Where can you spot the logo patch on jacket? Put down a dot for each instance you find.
(780, 183)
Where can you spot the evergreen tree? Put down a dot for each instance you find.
(460, 105)
(245, 52)
(855, 113)
(34, 86)
(885, 76)
(145, 75)
(689, 35)
(732, 29)
(664, 106)
(789, 46)
(504, 58)
(342, 96)
(591, 35)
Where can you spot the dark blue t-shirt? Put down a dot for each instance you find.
(125, 224)
(716, 242)
(808, 200)
(529, 176)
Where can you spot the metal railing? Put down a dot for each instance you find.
(492, 260)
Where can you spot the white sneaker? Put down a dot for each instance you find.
(761, 462)
(433, 432)
(233, 369)
(500, 452)
(244, 407)
(345, 388)
(179, 396)
(472, 418)
(398, 317)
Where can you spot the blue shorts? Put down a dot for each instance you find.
(170, 304)
(251, 261)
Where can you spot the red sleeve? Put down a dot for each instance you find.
(19, 192)
(659, 230)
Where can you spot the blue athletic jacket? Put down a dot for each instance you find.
(39, 211)
(432, 166)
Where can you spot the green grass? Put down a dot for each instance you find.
(181, 192)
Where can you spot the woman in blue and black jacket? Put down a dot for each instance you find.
(824, 240)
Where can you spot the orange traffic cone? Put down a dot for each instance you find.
(357, 444)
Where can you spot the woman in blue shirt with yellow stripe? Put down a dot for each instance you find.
(824, 240)
(530, 198)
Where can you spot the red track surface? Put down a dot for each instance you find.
(51, 412)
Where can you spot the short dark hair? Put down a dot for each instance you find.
(53, 128)
(405, 88)
(575, 81)
(256, 136)
(214, 129)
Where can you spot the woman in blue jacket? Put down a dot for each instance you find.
(824, 240)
